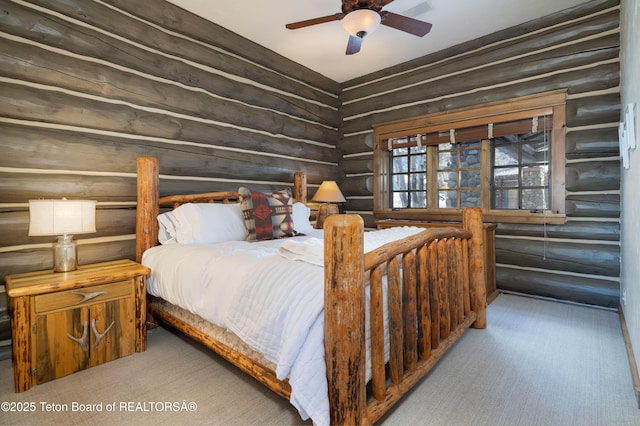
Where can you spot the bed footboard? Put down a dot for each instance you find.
(436, 290)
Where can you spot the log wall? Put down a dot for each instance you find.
(88, 86)
(576, 49)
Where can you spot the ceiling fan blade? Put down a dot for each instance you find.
(354, 44)
(404, 23)
(314, 21)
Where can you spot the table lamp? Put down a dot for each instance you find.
(328, 193)
(66, 217)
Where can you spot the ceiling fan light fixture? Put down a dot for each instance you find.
(361, 20)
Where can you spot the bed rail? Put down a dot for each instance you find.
(436, 290)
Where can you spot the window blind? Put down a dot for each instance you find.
(472, 133)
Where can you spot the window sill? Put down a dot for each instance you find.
(455, 215)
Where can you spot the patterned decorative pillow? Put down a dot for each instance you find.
(267, 216)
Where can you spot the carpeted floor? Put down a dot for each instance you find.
(538, 363)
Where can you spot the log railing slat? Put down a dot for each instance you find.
(465, 276)
(443, 290)
(459, 279)
(395, 321)
(376, 319)
(409, 310)
(434, 294)
(453, 284)
(423, 304)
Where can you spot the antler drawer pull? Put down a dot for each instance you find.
(98, 335)
(83, 339)
(88, 296)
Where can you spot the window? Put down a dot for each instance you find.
(508, 162)
(520, 172)
(409, 177)
(459, 174)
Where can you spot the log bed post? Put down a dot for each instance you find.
(472, 221)
(147, 206)
(300, 187)
(344, 316)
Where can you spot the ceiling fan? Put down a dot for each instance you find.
(361, 17)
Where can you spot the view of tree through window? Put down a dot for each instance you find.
(409, 177)
(520, 177)
(459, 175)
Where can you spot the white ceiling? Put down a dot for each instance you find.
(321, 47)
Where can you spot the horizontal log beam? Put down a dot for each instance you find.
(109, 222)
(586, 230)
(562, 287)
(41, 259)
(593, 259)
(361, 164)
(359, 204)
(357, 185)
(78, 150)
(593, 109)
(596, 205)
(592, 176)
(21, 187)
(592, 143)
(356, 144)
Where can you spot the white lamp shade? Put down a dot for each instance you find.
(329, 193)
(365, 20)
(58, 217)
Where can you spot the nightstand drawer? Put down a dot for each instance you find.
(83, 296)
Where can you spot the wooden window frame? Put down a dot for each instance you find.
(541, 104)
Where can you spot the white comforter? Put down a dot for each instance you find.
(273, 303)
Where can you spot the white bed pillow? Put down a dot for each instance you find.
(202, 223)
(166, 228)
(300, 215)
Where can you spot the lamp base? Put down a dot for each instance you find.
(65, 255)
(324, 211)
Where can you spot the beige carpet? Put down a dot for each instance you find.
(538, 363)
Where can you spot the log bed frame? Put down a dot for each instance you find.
(436, 290)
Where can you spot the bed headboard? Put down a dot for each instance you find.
(149, 201)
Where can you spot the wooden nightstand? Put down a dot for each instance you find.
(63, 322)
